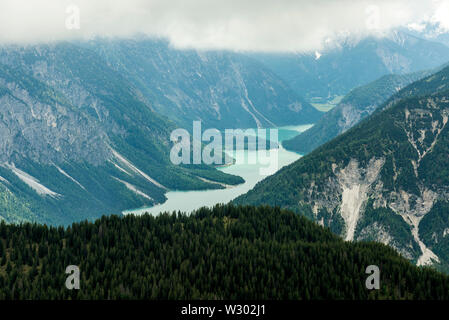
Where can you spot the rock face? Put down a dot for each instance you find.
(222, 89)
(46, 128)
(58, 136)
(355, 183)
(354, 186)
(385, 180)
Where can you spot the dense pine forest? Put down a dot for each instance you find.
(227, 252)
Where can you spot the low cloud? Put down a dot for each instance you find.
(250, 25)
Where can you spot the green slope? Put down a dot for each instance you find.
(355, 106)
(382, 179)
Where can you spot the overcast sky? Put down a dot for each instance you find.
(260, 25)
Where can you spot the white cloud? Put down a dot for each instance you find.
(263, 25)
(419, 27)
(441, 14)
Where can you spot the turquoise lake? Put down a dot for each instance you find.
(187, 201)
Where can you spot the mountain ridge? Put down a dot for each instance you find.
(355, 106)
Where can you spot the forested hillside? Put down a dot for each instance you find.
(355, 106)
(386, 179)
(226, 252)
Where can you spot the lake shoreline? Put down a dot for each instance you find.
(188, 201)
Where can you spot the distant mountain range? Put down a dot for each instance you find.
(350, 63)
(386, 179)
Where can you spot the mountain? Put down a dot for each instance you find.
(355, 106)
(222, 89)
(350, 63)
(86, 126)
(385, 180)
(78, 141)
(222, 253)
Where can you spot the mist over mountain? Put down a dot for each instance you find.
(435, 31)
(352, 62)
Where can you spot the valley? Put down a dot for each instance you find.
(187, 201)
(96, 136)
